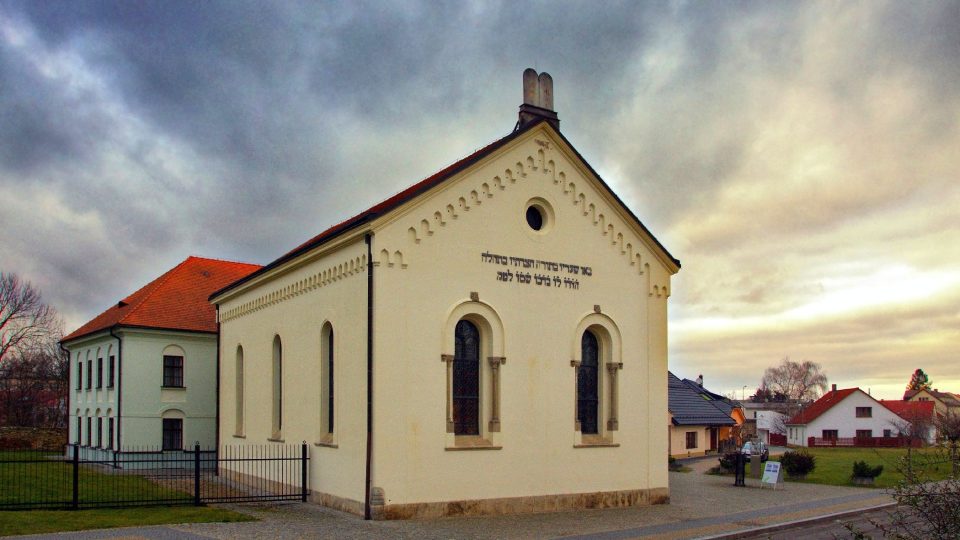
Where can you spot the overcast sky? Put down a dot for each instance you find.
(802, 159)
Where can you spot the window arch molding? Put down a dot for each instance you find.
(610, 342)
(492, 345)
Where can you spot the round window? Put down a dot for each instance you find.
(539, 216)
(534, 218)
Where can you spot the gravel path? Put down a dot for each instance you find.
(701, 505)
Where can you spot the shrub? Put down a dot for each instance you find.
(862, 470)
(728, 462)
(798, 464)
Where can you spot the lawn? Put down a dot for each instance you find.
(835, 465)
(27, 477)
(47, 521)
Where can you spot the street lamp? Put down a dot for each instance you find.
(743, 393)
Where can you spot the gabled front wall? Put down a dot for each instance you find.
(678, 441)
(459, 253)
(842, 417)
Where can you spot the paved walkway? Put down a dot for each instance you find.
(701, 505)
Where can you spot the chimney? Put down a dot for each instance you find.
(537, 99)
(700, 380)
(833, 388)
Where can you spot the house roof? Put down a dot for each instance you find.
(719, 401)
(177, 300)
(689, 407)
(421, 187)
(948, 398)
(822, 405)
(909, 410)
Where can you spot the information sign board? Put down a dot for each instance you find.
(771, 474)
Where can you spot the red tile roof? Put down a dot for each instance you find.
(820, 406)
(177, 300)
(908, 410)
(419, 188)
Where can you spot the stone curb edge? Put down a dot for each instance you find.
(790, 524)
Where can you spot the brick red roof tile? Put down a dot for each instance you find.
(820, 406)
(177, 300)
(908, 410)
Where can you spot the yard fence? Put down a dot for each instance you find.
(83, 478)
(865, 442)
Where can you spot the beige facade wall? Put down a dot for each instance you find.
(464, 251)
(678, 441)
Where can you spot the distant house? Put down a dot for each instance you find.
(921, 414)
(144, 372)
(945, 402)
(696, 418)
(771, 427)
(846, 414)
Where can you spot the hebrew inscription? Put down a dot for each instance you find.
(524, 271)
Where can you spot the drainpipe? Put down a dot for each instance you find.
(119, 385)
(217, 428)
(368, 238)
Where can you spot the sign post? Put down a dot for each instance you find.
(772, 474)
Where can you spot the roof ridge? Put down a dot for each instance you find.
(159, 283)
(215, 259)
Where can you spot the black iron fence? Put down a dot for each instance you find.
(83, 477)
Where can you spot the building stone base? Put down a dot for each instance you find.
(523, 505)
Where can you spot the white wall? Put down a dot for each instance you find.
(842, 417)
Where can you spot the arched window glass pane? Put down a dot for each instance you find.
(466, 379)
(330, 382)
(588, 383)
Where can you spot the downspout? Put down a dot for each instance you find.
(119, 385)
(368, 238)
(217, 432)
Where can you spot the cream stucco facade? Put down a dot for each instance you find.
(134, 399)
(463, 250)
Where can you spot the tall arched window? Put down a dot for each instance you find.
(327, 410)
(588, 383)
(239, 392)
(277, 386)
(466, 379)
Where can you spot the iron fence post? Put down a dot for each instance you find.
(196, 474)
(75, 504)
(303, 471)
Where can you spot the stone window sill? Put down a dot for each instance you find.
(326, 444)
(239, 436)
(275, 438)
(173, 387)
(595, 441)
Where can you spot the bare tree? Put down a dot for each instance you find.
(800, 381)
(948, 426)
(24, 317)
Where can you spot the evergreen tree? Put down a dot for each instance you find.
(919, 381)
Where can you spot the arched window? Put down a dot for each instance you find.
(277, 387)
(327, 409)
(239, 392)
(588, 383)
(466, 379)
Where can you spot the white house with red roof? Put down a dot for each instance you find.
(492, 339)
(843, 415)
(143, 373)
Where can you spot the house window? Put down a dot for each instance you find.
(864, 412)
(79, 375)
(277, 400)
(326, 380)
(89, 374)
(887, 433)
(238, 429)
(89, 431)
(110, 377)
(588, 384)
(173, 371)
(691, 440)
(79, 438)
(830, 434)
(172, 434)
(923, 399)
(864, 433)
(466, 379)
(99, 432)
(110, 433)
(99, 372)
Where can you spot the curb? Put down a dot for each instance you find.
(795, 523)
